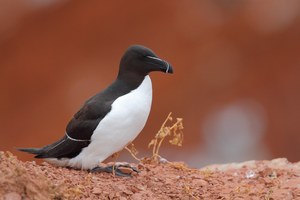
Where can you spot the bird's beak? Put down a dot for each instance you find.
(162, 65)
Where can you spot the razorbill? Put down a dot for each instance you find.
(111, 119)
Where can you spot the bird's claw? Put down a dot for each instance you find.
(124, 170)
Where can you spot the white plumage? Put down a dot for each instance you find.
(120, 126)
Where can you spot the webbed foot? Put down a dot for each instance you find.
(124, 170)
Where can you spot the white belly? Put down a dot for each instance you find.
(121, 125)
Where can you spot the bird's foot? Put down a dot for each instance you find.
(119, 169)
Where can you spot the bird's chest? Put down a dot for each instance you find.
(127, 117)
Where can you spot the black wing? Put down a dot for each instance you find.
(81, 127)
(79, 130)
(63, 148)
(86, 120)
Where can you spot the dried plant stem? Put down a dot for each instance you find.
(157, 147)
(132, 154)
(115, 157)
(175, 131)
(162, 139)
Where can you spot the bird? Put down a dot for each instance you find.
(111, 119)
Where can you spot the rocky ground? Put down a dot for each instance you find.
(275, 179)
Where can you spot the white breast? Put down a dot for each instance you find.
(120, 126)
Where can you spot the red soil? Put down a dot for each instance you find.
(275, 179)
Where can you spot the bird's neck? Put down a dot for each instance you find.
(131, 78)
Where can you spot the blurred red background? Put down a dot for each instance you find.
(236, 81)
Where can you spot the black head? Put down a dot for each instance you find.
(141, 61)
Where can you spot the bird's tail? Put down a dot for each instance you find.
(35, 151)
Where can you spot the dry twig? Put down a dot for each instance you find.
(133, 151)
(174, 131)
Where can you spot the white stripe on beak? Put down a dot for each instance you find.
(155, 58)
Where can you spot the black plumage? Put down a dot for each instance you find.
(135, 64)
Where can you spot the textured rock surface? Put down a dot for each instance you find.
(276, 179)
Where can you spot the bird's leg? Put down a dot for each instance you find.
(110, 169)
(124, 168)
(119, 169)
